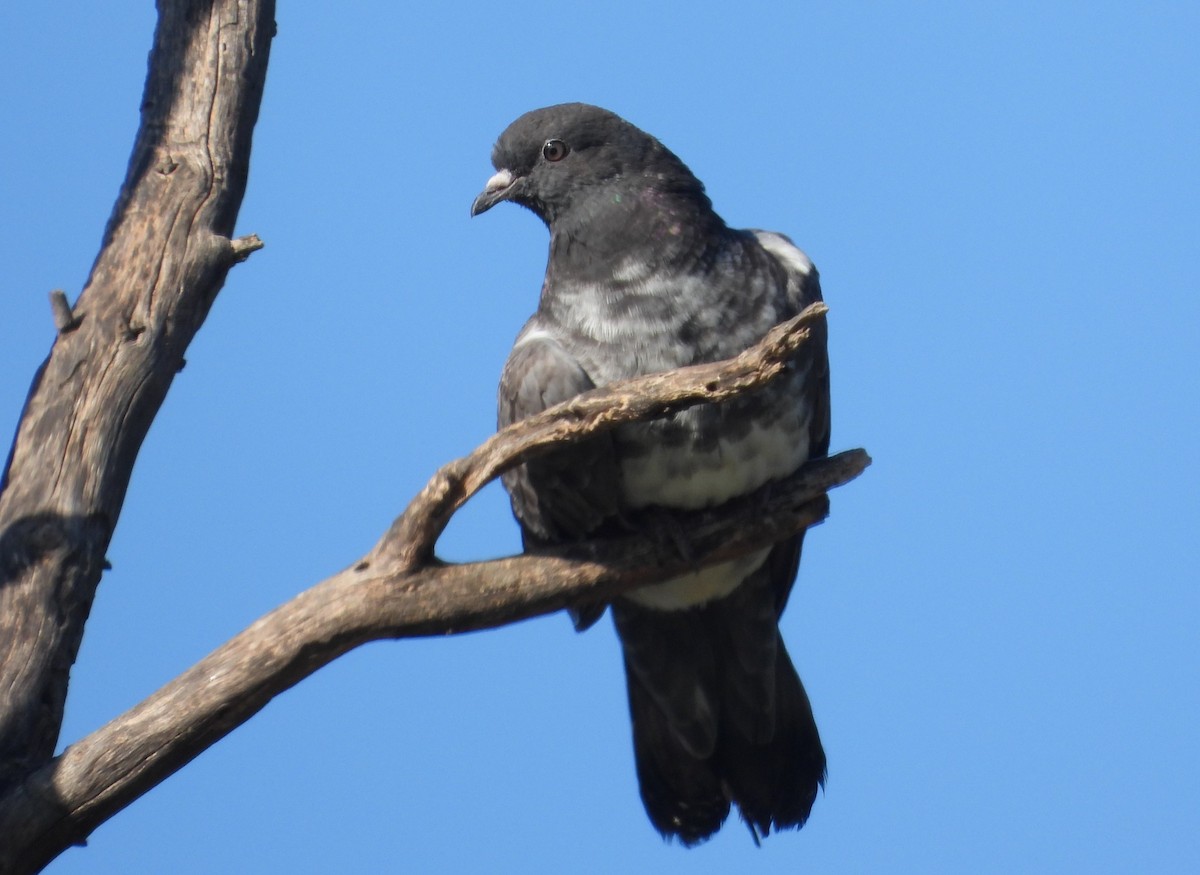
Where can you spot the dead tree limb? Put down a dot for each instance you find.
(166, 251)
(416, 531)
(383, 597)
(399, 589)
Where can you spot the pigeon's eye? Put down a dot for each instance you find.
(554, 150)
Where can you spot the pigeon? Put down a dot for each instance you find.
(643, 276)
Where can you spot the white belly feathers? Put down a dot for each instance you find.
(687, 478)
(683, 477)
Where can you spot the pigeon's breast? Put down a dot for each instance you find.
(707, 455)
(702, 457)
(645, 322)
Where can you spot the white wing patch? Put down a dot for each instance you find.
(786, 251)
(532, 333)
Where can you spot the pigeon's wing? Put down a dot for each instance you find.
(803, 288)
(569, 493)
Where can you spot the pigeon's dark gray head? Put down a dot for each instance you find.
(576, 159)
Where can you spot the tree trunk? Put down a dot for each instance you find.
(165, 254)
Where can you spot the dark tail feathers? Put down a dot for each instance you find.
(772, 781)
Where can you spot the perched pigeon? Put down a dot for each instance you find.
(643, 276)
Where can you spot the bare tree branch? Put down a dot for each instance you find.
(392, 593)
(399, 590)
(419, 527)
(65, 800)
(165, 255)
(64, 319)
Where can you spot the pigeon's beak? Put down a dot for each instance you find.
(498, 188)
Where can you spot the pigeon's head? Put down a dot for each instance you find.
(574, 158)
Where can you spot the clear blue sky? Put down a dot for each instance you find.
(998, 625)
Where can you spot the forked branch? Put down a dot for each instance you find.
(401, 590)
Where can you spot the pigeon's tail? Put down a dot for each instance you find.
(775, 781)
(719, 717)
(682, 792)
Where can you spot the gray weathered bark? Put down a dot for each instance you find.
(165, 254)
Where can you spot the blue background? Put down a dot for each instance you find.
(998, 625)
